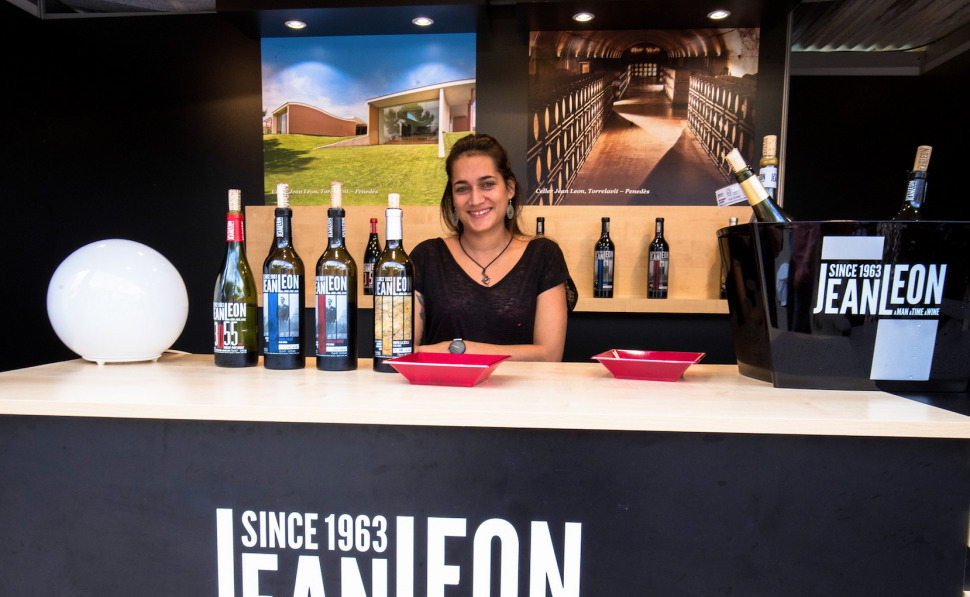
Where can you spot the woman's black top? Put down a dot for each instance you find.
(456, 306)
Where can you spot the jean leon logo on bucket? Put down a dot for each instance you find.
(860, 284)
(265, 540)
(904, 299)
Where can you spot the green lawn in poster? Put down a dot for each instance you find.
(308, 163)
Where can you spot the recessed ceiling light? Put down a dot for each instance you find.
(422, 21)
(583, 17)
(717, 15)
(294, 24)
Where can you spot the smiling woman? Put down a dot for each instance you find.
(489, 288)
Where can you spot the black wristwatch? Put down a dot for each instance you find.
(456, 346)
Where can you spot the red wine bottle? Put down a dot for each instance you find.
(658, 264)
(371, 253)
(604, 253)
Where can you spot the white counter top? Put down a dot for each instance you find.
(709, 398)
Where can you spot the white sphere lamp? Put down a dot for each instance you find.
(117, 300)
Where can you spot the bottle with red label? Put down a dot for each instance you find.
(234, 313)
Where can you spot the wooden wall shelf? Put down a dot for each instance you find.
(690, 230)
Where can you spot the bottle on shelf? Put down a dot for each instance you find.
(540, 226)
(604, 253)
(393, 293)
(336, 294)
(916, 186)
(768, 166)
(765, 209)
(658, 264)
(724, 269)
(284, 338)
(234, 312)
(371, 253)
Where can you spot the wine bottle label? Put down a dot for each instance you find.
(235, 230)
(769, 176)
(658, 269)
(393, 316)
(333, 338)
(235, 327)
(281, 313)
(280, 223)
(730, 195)
(603, 270)
(336, 225)
(369, 278)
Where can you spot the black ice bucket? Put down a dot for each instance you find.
(846, 305)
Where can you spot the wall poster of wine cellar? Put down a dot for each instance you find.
(638, 117)
(377, 113)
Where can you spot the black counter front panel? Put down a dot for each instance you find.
(144, 507)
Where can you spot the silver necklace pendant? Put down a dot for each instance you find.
(485, 278)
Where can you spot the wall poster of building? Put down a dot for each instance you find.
(638, 117)
(377, 113)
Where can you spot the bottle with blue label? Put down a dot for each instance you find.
(284, 338)
(336, 294)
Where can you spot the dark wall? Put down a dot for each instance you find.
(851, 141)
(135, 127)
(121, 128)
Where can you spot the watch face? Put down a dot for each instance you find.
(457, 347)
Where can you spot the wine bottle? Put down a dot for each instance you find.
(284, 338)
(724, 268)
(603, 255)
(393, 293)
(234, 309)
(371, 253)
(336, 294)
(658, 264)
(540, 226)
(916, 186)
(768, 166)
(765, 209)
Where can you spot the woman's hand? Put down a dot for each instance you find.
(549, 337)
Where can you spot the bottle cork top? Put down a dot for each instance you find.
(336, 194)
(282, 195)
(394, 201)
(235, 200)
(735, 160)
(769, 146)
(922, 158)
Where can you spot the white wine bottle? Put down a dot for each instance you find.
(234, 311)
(393, 293)
(768, 166)
(916, 186)
(765, 209)
(284, 337)
(336, 294)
